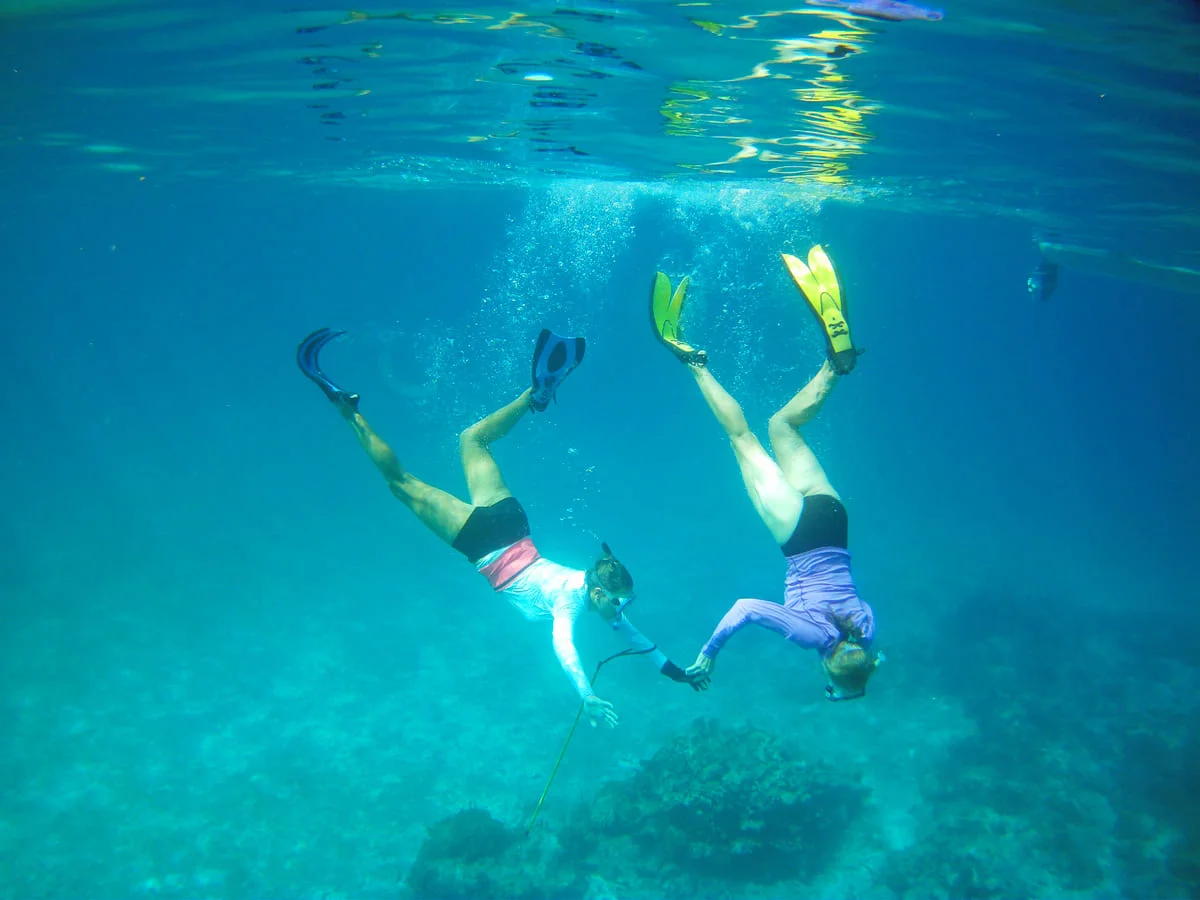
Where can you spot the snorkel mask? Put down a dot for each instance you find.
(621, 601)
(835, 694)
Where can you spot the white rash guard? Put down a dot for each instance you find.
(546, 590)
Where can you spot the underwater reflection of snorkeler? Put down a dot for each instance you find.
(821, 610)
(492, 531)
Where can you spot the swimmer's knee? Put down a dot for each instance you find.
(778, 425)
(784, 431)
(469, 437)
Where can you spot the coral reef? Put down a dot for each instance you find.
(472, 856)
(1157, 786)
(1007, 822)
(729, 803)
(714, 808)
(1066, 787)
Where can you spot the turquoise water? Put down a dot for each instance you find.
(233, 666)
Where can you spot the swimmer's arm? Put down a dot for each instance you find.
(769, 615)
(639, 643)
(568, 656)
(598, 711)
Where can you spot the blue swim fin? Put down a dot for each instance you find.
(308, 359)
(554, 358)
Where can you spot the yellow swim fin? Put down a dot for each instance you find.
(666, 309)
(819, 283)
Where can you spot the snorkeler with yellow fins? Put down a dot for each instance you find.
(821, 609)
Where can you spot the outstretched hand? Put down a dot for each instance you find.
(600, 711)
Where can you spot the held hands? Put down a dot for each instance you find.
(701, 669)
(600, 711)
(698, 681)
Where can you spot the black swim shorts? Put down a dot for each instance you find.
(489, 528)
(823, 523)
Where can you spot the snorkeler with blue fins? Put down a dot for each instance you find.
(492, 530)
(821, 609)
(1042, 280)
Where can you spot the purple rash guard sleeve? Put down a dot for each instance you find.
(797, 628)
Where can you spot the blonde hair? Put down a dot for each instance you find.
(850, 665)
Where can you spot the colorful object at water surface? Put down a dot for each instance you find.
(892, 10)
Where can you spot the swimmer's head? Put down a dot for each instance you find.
(609, 585)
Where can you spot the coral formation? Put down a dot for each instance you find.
(993, 835)
(731, 803)
(1062, 789)
(714, 807)
(472, 856)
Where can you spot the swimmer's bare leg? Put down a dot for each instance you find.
(797, 460)
(776, 501)
(440, 512)
(483, 475)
